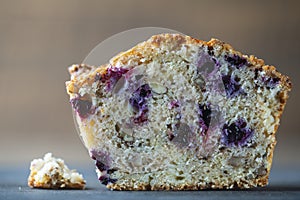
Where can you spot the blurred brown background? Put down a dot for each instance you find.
(40, 39)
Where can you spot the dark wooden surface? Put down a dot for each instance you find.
(284, 184)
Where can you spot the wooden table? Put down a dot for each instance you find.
(284, 184)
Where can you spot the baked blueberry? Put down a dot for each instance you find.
(270, 82)
(235, 60)
(112, 75)
(236, 133)
(138, 101)
(204, 113)
(232, 86)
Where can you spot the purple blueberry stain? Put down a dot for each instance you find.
(232, 86)
(139, 103)
(236, 133)
(173, 104)
(105, 180)
(111, 77)
(236, 60)
(204, 114)
(270, 82)
(138, 99)
(102, 161)
(101, 166)
(170, 134)
(141, 118)
(83, 106)
(111, 171)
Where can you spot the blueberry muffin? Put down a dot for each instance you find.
(177, 113)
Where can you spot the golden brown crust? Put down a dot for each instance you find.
(47, 186)
(34, 184)
(175, 40)
(82, 74)
(262, 181)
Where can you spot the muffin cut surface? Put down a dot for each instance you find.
(177, 113)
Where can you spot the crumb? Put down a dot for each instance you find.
(53, 173)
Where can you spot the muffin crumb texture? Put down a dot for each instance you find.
(177, 113)
(53, 173)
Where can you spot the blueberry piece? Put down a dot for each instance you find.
(139, 97)
(111, 77)
(235, 60)
(256, 73)
(232, 86)
(236, 134)
(142, 117)
(82, 106)
(110, 171)
(173, 104)
(102, 159)
(170, 135)
(210, 50)
(138, 101)
(102, 163)
(270, 82)
(204, 113)
(106, 180)
(101, 166)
